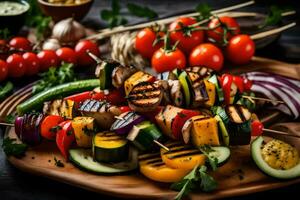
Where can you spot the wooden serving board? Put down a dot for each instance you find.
(237, 177)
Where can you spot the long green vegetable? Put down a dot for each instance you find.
(7, 88)
(36, 102)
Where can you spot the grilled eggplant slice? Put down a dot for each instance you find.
(166, 91)
(103, 112)
(145, 97)
(60, 107)
(198, 89)
(120, 74)
(176, 94)
(201, 71)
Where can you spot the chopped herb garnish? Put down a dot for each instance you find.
(196, 179)
(212, 160)
(10, 119)
(11, 148)
(58, 163)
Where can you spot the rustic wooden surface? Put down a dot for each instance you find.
(15, 184)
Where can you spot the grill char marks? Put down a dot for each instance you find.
(145, 97)
(102, 111)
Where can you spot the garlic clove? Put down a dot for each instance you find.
(51, 44)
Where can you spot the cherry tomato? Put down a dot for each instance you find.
(144, 41)
(217, 31)
(49, 126)
(247, 84)
(67, 55)
(81, 52)
(207, 55)
(16, 66)
(168, 60)
(256, 128)
(3, 70)
(20, 43)
(187, 37)
(32, 63)
(240, 49)
(47, 58)
(3, 49)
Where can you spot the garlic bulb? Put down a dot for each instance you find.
(68, 31)
(51, 44)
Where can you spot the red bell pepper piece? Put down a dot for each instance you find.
(114, 97)
(226, 81)
(50, 126)
(256, 128)
(125, 109)
(65, 138)
(239, 82)
(179, 121)
(247, 84)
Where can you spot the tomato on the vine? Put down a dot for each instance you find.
(67, 55)
(3, 70)
(240, 49)
(187, 36)
(20, 43)
(32, 63)
(167, 60)
(147, 41)
(3, 49)
(81, 49)
(218, 25)
(207, 55)
(16, 66)
(47, 58)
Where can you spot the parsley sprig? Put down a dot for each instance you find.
(11, 148)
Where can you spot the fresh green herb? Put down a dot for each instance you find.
(197, 178)
(36, 19)
(55, 129)
(6, 89)
(274, 16)
(58, 163)
(5, 33)
(11, 148)
(212, 160)
(141, 11)
(54, 76)
(10, 119)
(204, 11)
(113, 16)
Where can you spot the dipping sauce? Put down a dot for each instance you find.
(67, 2)
(8, 8)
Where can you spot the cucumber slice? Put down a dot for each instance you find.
(104, 71)
(84, 160)
(221, 153)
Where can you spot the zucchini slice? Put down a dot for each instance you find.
(104, 72)
(84, 160)
(109, 147)
(185, 83)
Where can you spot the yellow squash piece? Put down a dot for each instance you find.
(83, 129)
(182, 156)
(152, 166)
(67, 112)
(211, 92)
(135, 79)
(205, 131)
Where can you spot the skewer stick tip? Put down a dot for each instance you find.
(161, 145)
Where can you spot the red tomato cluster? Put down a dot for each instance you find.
(24, 62)
(206, 46)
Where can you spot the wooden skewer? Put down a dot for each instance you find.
(262, 99)
(93, 56)
(161, 145)
(272, 32)
(107, 32)
(6, 124)
(280, 133)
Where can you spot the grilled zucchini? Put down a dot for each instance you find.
(135, 79)
(104, 72)
(203, 72)
(145, 97)
(109, 147)
(103, 112)
(84, 129)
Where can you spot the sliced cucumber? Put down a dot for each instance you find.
(84, 160)
(221, 153)
(184, 81)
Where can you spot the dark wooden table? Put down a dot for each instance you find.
(15, 184)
